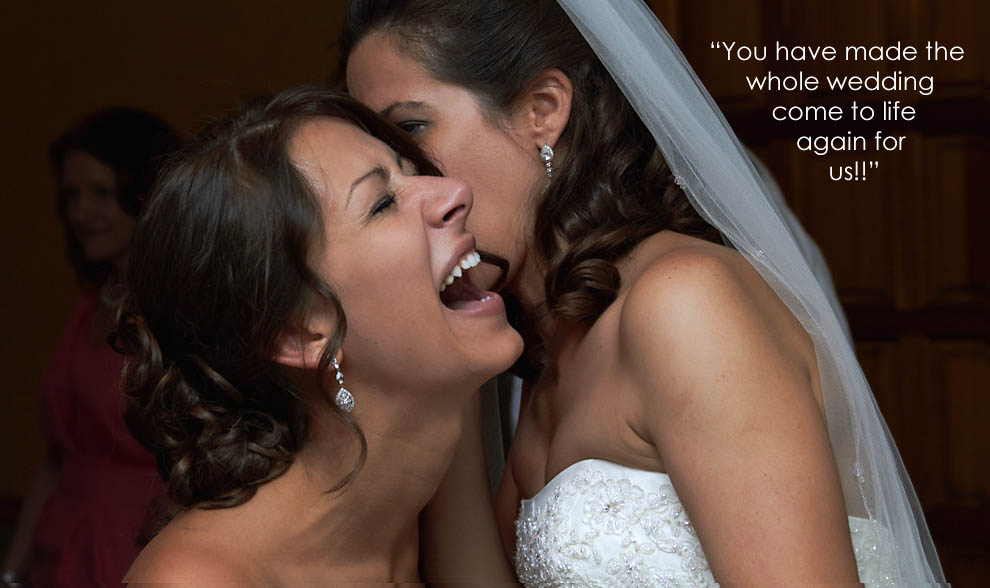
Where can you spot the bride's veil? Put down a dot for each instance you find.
(721, 182)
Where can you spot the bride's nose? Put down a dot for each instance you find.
(449, 203)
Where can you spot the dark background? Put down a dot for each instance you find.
(905, 246)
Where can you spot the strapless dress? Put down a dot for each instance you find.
(598, 523)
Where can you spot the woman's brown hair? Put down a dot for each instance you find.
(611, 186)
(219, 267)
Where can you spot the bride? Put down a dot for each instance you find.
(298, 246)
(693, 412)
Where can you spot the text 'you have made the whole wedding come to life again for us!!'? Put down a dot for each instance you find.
(877, 96)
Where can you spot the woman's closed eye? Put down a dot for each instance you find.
(383, 204)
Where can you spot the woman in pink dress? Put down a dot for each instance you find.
(82, 514)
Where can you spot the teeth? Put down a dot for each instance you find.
(469, 261)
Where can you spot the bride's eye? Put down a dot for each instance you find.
(383, 204)
(413, 127)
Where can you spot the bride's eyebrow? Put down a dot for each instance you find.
(408, 104)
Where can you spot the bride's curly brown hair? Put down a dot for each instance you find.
(219, 267)
(611, 185)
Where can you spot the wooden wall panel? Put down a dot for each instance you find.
(958, 22)
(924, 436)
(936, 432)
(947, 254)
(961, 524)
(963, 374)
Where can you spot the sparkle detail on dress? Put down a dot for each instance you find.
(593, 523)
(602, 524)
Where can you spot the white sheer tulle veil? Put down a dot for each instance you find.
(721, 182)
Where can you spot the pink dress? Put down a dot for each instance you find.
(86, 533)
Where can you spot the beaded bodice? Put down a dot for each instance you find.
(598, 523)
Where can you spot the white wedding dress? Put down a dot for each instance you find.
(598, 523)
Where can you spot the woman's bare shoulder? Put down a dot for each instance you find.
(675, 273)
(694, 307)
(184, 557)
(725, 381)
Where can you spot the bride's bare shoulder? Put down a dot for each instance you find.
(183, 558)
(701, 298)
(674, 269)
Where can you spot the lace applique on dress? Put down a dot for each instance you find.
(596, 529)
(601, 524)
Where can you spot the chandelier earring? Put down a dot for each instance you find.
(546, 154)
(343, 399)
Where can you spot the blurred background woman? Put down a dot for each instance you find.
(80, 519)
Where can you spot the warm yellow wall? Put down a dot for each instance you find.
(186, 60)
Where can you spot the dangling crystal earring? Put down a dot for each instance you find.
(344, 399)
(546, 154)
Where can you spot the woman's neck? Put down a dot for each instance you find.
(368, 530)
(529, 287)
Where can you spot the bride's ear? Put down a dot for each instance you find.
(301, 344)
(542, 114)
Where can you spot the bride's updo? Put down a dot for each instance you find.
(219, 267)
(611, 186)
